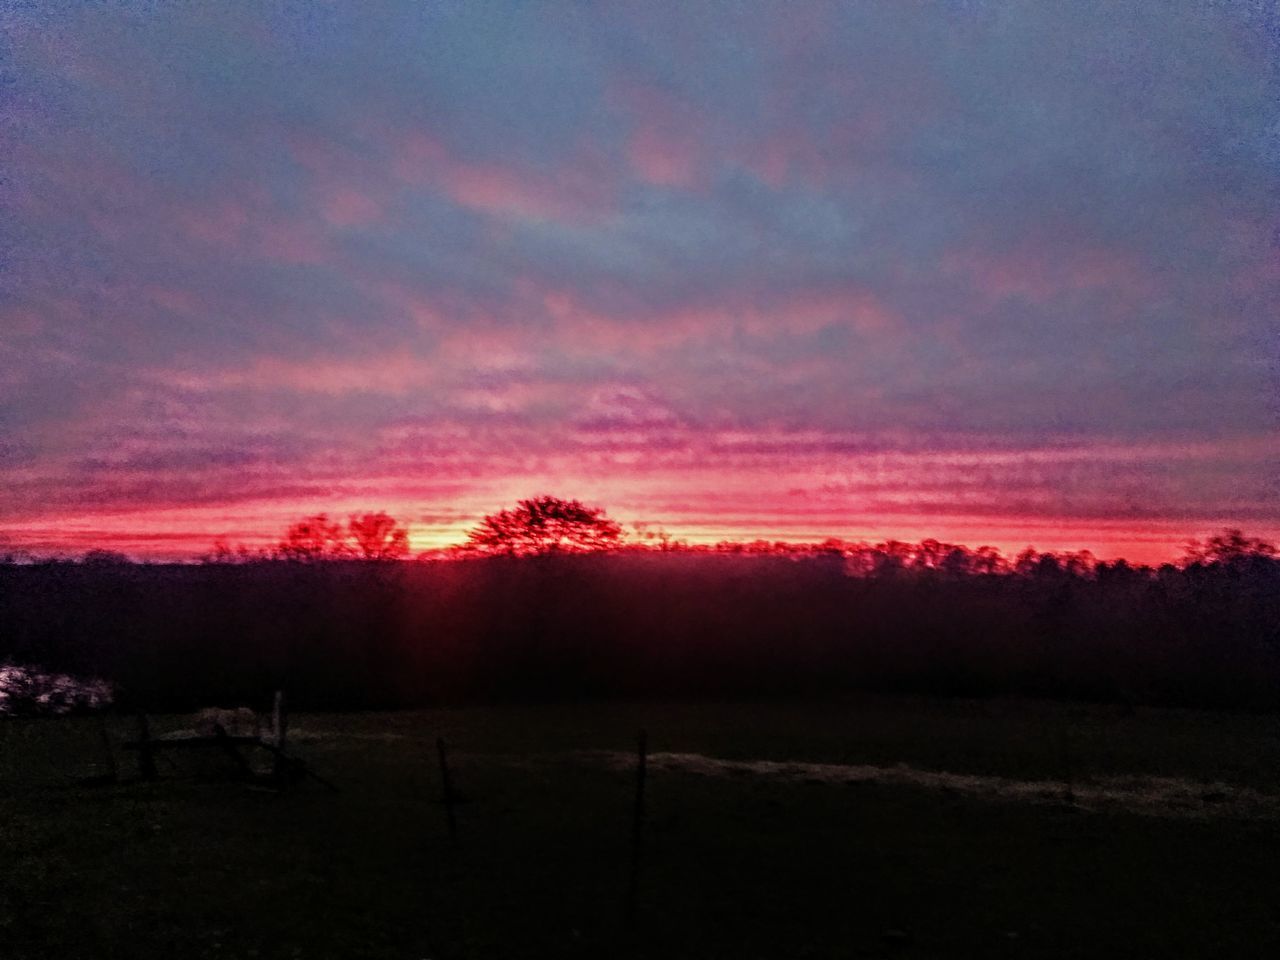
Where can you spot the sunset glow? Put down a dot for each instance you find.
(735, 271)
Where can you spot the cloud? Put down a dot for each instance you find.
(261, 260)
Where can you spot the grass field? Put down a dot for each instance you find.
(1066, 831)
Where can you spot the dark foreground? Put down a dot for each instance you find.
(1073, 832)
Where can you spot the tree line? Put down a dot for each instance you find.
(551, 526)
(549, 610)
(547, 525)
(368, 536)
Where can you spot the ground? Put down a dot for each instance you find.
(1067, 831)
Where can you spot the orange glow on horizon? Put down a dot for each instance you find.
(175, 534)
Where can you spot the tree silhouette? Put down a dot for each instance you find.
(105, 558)
(545, 525)
(365, 536)
(377, 536)
(224, 553)
(1229, 549)
(313, 539)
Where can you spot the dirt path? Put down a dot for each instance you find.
(1155, 796)
(1147, 795)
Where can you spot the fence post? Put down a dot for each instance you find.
(113, 770)
(637, 826)
(146, 759)
(446, 783)
(1068, 766)
(280, 730)
(224, 741)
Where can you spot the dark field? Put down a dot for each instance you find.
(1180, 858)
(648, 626)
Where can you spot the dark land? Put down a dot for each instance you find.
(793, 863)
(637, 625)
(906, 763)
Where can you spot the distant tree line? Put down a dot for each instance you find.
(537, 526)
(366, 536)
(552, 610)
(546, 525)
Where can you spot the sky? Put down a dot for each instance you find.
(992, 272)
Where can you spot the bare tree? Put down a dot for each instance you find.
(378, 536)
(545, 525)
(313, 539)
(1231, 548)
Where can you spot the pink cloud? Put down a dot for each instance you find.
(251, 225)
(347, 207)
(630, 452)
(626, 409)
(172, 299)
(221, 223)
(582, 187)
(792, 153)
(1043, 269)
(292, 241)
(347, 189)
(633, 326)
(667, 143)
(21, 322)
(389, 373)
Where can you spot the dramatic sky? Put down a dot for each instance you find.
(997, 272)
